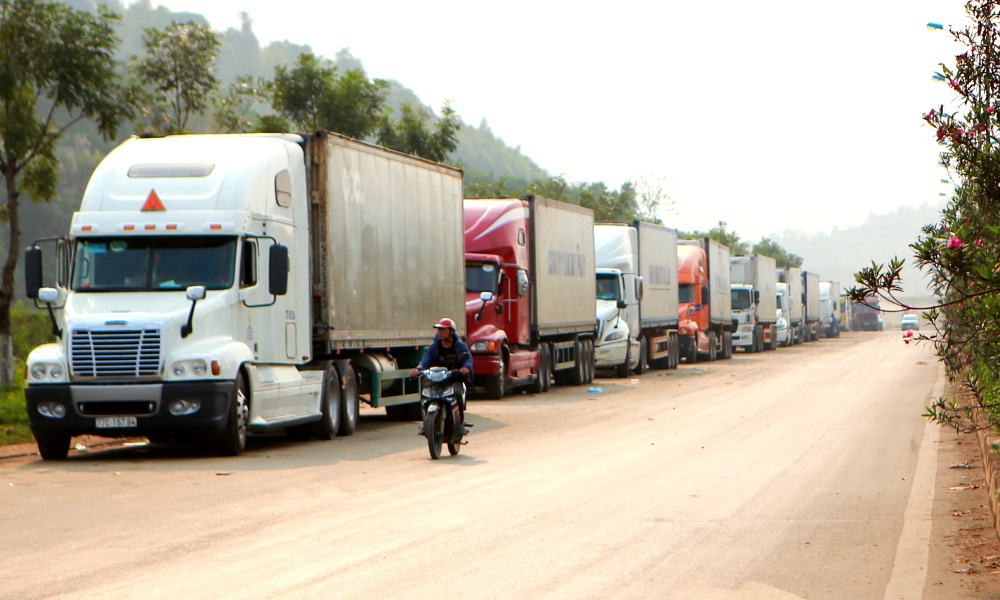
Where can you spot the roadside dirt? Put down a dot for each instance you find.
(964, 560)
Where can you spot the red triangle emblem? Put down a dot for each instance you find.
(153, 203)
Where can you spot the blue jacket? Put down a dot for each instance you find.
(431, 354)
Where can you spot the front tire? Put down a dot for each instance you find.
(434, 430)
(640, 366)
(234, 439)
(494, 384)
(52, 446)
(622, 369)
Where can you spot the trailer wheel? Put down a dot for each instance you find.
(234, 439)
(588, 361)
(494, 384)
(350, 403)
(52, 446)
(547, 352)
(327, 427)
(712, 341)
(578, 375)
(674, 354)
(727, 345)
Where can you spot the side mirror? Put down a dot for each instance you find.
(622, 305)
(195, 293)
(32, 271)
(522, 283)
(48, 295)
(277, 276)
(704, 294)
(756, 296)
(640, 288)
(486, 296)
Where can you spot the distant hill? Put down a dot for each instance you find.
(837, 255)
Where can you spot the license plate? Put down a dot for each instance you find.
(116, 422)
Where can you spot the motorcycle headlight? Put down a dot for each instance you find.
(437, 376)
(614, 335)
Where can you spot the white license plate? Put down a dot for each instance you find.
(116, 422)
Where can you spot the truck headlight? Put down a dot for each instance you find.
(614, 335)
(483, 346)
(199, 367)
(38, 371)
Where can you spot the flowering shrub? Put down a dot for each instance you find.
(964, 277)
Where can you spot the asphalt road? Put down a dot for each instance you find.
(772, 475)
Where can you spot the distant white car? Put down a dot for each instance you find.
(909, 322)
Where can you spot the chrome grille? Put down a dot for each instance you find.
(115, 352)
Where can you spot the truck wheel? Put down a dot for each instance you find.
(327, 427)
(547, 352)
(692, 355)
(623, 369)
(640, 367)
(494, 384)
(578, 375)
(538, 386)
(52, 446)
(234, 439)
(675, 351)
(711, 346)
(588, 358)
(727, 345)
(350, 403)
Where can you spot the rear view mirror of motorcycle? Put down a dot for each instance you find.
(486, 296)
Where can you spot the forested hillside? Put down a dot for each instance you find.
(483, 155)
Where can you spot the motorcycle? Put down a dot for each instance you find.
(444, 413)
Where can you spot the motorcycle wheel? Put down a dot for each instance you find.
(454, 447)
(434, 430)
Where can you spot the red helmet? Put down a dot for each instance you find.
(445, 323)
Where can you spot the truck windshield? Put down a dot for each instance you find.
(481, 277)
(136, 264)
(741, 299)
(686, 293)
(608, 287)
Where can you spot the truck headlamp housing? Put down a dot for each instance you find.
(483, 346)
(45, 372)
(614, 335)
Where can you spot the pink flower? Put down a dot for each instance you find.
(979, 242)
(955, 243)
(908, 334)
(989, 109)
(965, 219)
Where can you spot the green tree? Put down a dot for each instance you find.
(961, 251)
(721, 234)
(312, 95)
(179, 66)
(784, 259)
(414, 133)
(234, 106)
(56, 69)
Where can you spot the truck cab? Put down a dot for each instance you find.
(617, 320)
(743, 300)
(829, 308)
(783, 327)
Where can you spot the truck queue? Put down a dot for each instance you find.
(215, 286)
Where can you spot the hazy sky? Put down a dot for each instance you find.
(770, 115)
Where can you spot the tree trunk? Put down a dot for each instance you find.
(7, 280)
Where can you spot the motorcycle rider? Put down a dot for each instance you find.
(451, 353)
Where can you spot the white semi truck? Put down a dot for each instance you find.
(791, 286)
(637, 308)
(829, 308)
(754, 291)
(810, 304)
(215, 285)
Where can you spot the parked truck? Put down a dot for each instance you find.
(530, 281)
(782, 327)
(791, 280)
(866, 315)
(215, 285)
(636, 297)
(829, 308)
(810, 304)
(754, 302)
(705, 295)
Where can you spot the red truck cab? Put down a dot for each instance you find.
(497, 261)
(693, 309)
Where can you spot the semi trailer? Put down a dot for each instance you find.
(754, 302)
(705, 296)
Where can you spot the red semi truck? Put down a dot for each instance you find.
(706, 316)
(530, 282)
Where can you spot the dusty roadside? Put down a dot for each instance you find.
(964, 559)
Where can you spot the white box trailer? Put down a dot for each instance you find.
(810, 302)
(637, 302)
(754, 284)
(792, 278)
(720, 310)
(562, 267)
(215, 285)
